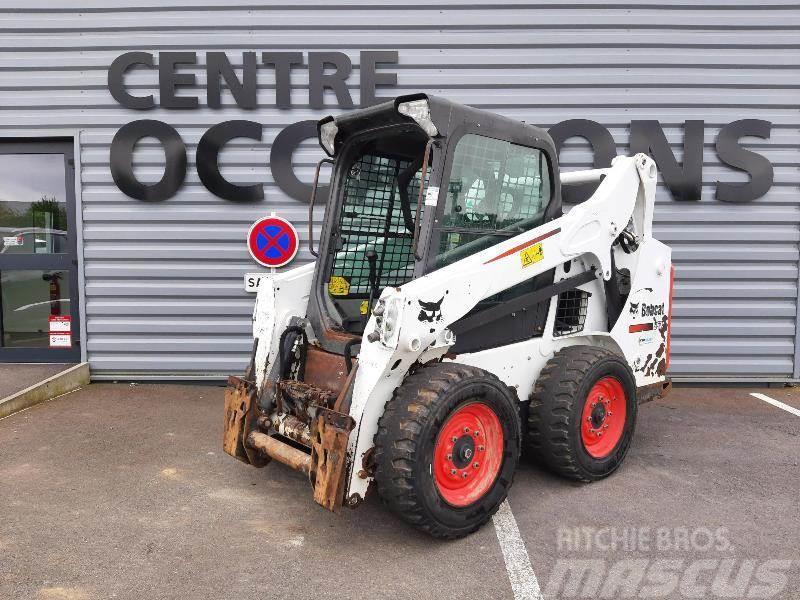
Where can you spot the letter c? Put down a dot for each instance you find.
(207, 160)
(280, 161)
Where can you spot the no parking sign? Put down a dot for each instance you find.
(272, 241)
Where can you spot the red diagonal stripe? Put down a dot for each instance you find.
(524, 245)
(640, 327)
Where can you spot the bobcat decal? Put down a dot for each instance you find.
(430, 311)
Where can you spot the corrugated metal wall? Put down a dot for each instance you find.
(164, 281)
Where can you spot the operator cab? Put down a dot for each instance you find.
(417, 184)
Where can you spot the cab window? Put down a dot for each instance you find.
(496, 190)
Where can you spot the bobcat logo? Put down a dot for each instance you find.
(635, 308)
(431, 311)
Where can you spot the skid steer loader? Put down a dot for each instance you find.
(455, 316)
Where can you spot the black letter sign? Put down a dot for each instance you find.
(169, 80)
(318, 79)
(244, 91)
(116, 85)
(730, 152)
(280, 162)
(602, 144)
(685, 182)
(283, 62)
(122, 160)
(208, 166)
(370, 79)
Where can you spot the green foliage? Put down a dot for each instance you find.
(44, 213)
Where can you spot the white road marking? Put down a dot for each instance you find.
(786, 407)
(518, 564)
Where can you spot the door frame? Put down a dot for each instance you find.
(71, 262)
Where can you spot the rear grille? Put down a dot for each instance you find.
(570, 312)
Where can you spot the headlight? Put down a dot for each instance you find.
(420, 111)
(391, 323)
(327, 136)
(387, 320)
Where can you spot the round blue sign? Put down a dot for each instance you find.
(272, 241)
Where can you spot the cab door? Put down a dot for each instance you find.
(495, 190)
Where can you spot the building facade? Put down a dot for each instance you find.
(118, 251)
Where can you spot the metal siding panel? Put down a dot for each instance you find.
(164, 282)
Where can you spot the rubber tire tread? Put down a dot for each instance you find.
(553, 428)
(399, 440)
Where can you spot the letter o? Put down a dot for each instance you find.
(122, 147)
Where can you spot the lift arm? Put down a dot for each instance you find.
(412, 322)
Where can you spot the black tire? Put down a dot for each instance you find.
(556, 413)
(407, 437)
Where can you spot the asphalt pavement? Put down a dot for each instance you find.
(123, 491)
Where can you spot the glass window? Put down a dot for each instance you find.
(33, 208)
(28, 299)
(496, 190)
(378, 210)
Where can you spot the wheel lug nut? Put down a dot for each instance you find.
(589, 419)
(605, 426)
(452, 471)
(475, 465)
(599, 433)
(610, 413)
(464, 474)
(481, 448)
(477, 433)
(454, 439)
(449, 457)
(466, 429)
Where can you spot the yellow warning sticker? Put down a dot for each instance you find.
(338, 286)
(364, 307)
(531, 255)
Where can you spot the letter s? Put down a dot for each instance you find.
(757, 166)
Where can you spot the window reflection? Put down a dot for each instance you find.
(33, 209)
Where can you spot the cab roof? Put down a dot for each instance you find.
(449, 117)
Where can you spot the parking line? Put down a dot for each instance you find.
(518, 564)
(774, 402)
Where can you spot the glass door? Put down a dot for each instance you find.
(39, 319)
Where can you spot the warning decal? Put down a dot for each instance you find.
(531, 255)
(338, 286)
(60, 333)
(60, 340)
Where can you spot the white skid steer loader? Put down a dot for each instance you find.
(455, 316)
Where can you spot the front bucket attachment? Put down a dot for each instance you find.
(244, 439)
(330, 431)
(241, 413)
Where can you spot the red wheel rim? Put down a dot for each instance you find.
(468, 454)
(603, 417)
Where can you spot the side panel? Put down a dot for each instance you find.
(164, 293)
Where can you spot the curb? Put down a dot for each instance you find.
(68, 380)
